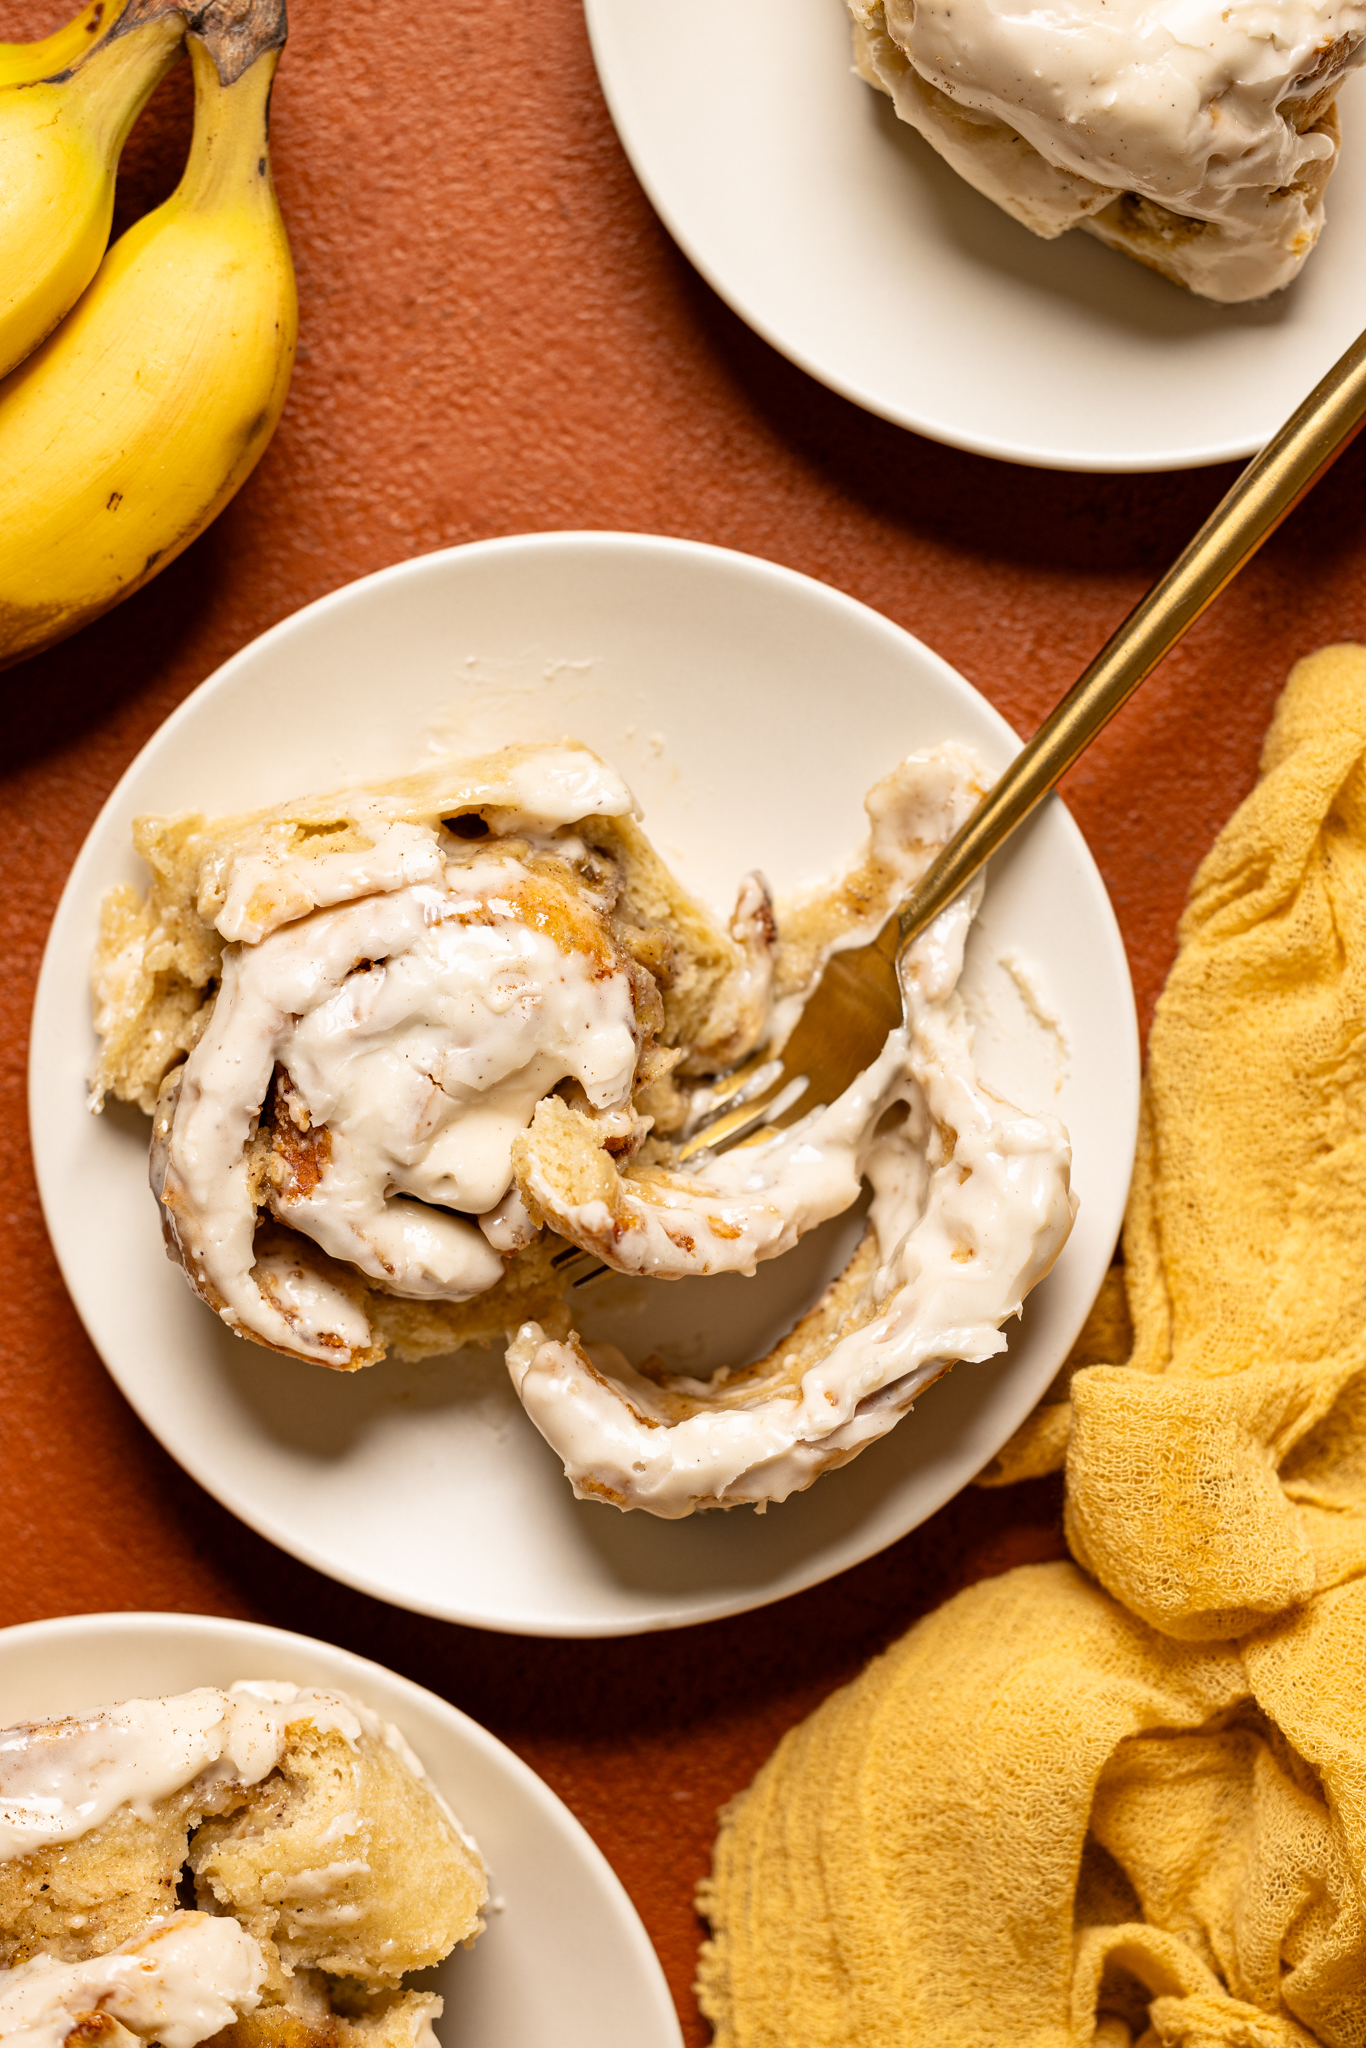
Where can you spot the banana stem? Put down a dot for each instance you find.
(237, 32)
(119, 76)
(230, 152)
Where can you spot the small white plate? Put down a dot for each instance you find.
(564, 1957)
(750, 708)
(846, 242)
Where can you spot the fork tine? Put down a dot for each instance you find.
(573, 1255)
(733, 1125)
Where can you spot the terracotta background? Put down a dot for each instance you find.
(498, 336)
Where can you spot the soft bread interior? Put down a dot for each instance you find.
(344, 1861)
(83, 1898)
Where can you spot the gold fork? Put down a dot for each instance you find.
(858, 998)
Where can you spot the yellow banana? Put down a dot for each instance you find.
(22, 63)
(60, 142)
(136, 422)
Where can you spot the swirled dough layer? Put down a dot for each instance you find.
(971, 1207)
(416, 1031)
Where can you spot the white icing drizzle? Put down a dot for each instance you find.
(743, 1206)
(421, 1026)
(753, 1203)
(323, 1319)
(1031, 992)
(1185, 102)
(184, 1977)
(317, 1884)
(59, 1779)
(266, 890)
(971, 1208)
(526, 790)
(551, 786)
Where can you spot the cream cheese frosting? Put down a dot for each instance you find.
(740, 1207)
(59, 1779)
(532, 789)
(754, 1202)
(971, 1206)
(1194, 105)
(181, 1979)
(421, 1026)
(386, 1019)
(537, 791)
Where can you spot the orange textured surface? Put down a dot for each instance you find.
(498, 336)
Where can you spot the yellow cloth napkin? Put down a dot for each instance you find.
(1047, 1819)
(1037, 1823)
(1220, 1475)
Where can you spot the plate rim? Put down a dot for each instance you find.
(495, 1754)
(1021, 453)
(263, 1521)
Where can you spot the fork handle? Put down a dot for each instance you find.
(1268, 489)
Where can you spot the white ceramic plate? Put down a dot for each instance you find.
(750, 708)
(564, 1957)
(842, 238)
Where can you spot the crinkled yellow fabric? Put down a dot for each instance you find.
(1057, 1816)
(1219, 1476)
(1037, 1823)
(1039, 1445)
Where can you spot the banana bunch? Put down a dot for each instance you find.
(143, 383)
